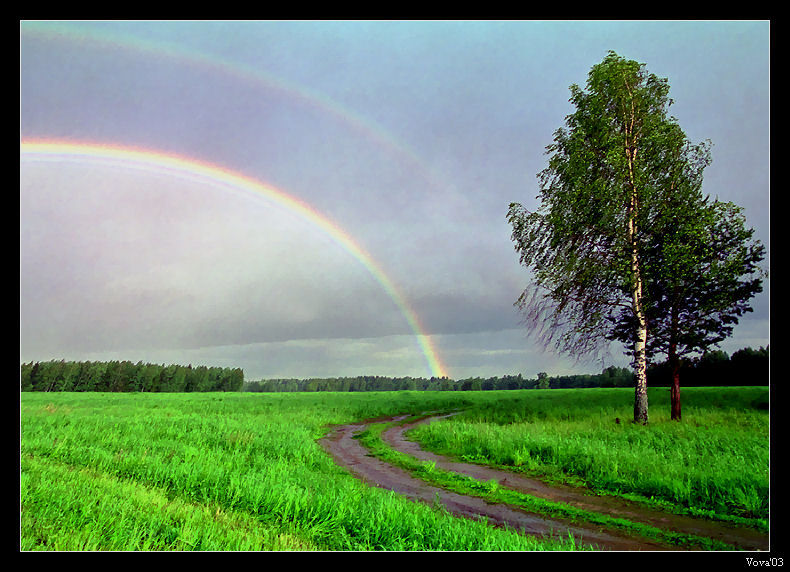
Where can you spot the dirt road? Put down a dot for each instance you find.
(348, 452)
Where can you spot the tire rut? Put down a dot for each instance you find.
(349, 453)
(741, 537)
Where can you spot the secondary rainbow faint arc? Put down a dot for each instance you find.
(185, 167)
(73, 31)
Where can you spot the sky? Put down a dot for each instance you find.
(328, 198)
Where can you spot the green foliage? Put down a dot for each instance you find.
(623, 245)
(125, 376)
(746, 367)
(352, 384)
(599, 195)
(703, 270)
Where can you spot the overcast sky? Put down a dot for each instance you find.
(411, 137)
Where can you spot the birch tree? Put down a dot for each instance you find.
(603, 188)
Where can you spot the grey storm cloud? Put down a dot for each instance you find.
(411, 137)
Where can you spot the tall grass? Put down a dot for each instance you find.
(220, 472)
(239, 471)
(714, 461)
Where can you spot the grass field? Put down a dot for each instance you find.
(714, 463)
(236, 471)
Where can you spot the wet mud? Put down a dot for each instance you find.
(349, 453)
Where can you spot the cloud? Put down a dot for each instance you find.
(117, 259)
(413, 137)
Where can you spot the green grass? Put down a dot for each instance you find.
(235, 471)
(494, 493)
(220, 472)
(68, 508)
(714, 462)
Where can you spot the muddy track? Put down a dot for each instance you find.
(348, 452)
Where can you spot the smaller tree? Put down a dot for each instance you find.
(703, 273)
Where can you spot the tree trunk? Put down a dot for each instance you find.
(675, 391)
(640, 367)
(630, 132)
(640, 335)
(674, 362)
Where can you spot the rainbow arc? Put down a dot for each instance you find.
(191, 169)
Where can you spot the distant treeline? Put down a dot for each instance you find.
(123, 376)
(745, 367)
(610, 377)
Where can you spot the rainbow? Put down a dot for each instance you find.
(88, 35)
(191, 169)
